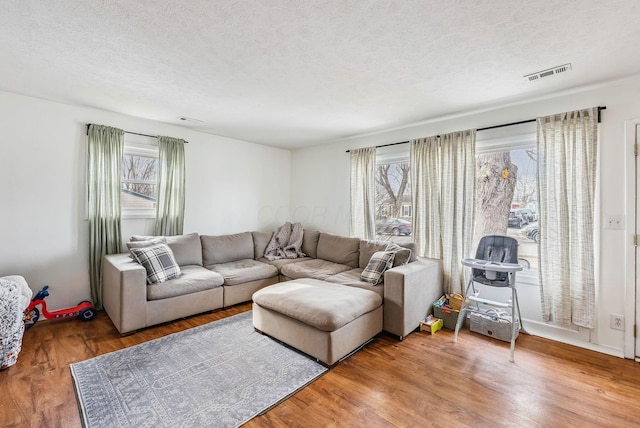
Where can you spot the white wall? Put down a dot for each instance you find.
(231, 187)
(234, 186)
(320, 192)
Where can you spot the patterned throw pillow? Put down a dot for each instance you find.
(378, 264)
(158, 261)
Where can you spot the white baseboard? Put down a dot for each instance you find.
(568, 336)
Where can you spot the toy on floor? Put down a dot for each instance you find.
(84, 310)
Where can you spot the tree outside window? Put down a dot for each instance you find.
(506, 201)
(393, 201)
(506, 186)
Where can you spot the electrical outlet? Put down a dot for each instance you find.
(617, 322)
(612, 221)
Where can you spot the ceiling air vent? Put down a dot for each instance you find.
(189, 119)
(547, 73)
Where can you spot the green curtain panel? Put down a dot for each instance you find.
(106, 146)
(171, 187)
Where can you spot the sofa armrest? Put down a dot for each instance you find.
(409, 292)
(124, 292)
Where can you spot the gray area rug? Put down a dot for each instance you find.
(217, 375)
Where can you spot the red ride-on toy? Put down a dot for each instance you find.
(84, 310)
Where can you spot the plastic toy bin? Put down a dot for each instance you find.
(448, 315)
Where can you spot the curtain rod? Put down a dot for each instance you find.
(134, 133)
(504, 125)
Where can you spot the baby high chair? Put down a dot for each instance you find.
(495, 265)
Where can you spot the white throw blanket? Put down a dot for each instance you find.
(14, 298)
(286, 243)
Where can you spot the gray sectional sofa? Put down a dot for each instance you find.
(220, 271)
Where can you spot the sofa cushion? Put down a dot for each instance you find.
(241, 271)
(367, 249)
(193, 279)
(260, 242)
(352, 279)
(158, 261)
(314, 268)
(322, 305)
(339, 249)
(279, 263)
(378, 265)
(186, 248)
(226, 248)
(310, 242)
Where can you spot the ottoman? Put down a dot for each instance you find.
(324, 320)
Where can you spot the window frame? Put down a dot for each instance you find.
(392, 155)
(143, 147)
(522, 141)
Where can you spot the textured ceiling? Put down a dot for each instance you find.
(290, 73)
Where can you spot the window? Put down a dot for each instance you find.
(139, 180)
(506, 192)
(393, 198)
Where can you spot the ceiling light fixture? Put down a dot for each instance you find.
(547, 73)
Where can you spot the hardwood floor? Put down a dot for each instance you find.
(423, 381)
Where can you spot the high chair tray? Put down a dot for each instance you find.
(492, 266)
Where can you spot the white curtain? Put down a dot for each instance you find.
(567, 166)
(458, 153)
(104, 162)
(425, 197)
(443, 180)
(363, 172)
(171, 187)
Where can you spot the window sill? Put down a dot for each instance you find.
(138, 215)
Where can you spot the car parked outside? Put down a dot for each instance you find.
(517, 219)
(533, 232)
(529, 215)
(394, 226)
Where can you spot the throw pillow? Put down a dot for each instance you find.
(379, 263)
(411, 246)
(142, 237)
(158, 261)
(402, 254)
(147, 243)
